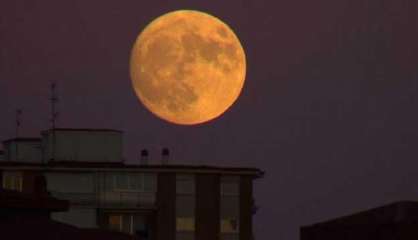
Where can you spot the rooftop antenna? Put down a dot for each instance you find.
(18, 123)
(54, 100)
(54, 116)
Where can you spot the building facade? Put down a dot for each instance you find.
(170, 202)
(28, 216)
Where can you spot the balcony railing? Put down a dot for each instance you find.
(127, 199)
(109, 199)
(76, 198)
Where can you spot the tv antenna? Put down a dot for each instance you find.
(54, 101)
(18, 121)
(54, 115)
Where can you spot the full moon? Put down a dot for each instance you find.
(187, 67)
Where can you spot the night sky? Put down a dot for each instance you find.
(329, 108)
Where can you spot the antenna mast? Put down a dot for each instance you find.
(18, 123)
(54, 116)
(54, 100)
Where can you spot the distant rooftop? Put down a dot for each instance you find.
(398, 212)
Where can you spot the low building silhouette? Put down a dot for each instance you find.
(27, 216)
(394, 221)
(155, 202)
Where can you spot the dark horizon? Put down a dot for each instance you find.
(328, 108)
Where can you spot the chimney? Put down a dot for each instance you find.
(144, 157)
(165, 155)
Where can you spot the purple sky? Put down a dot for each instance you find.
(329, 109)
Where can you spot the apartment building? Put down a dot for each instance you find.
(156, 202)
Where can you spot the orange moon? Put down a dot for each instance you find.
(187, 67)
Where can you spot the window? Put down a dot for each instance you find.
(185, 206)
(134, 182)
(185, 184)
(185, 224)
(130, 223)
(230, 236)
(115, 222)
(13, 181)
(150, 182)
(128, 182)
(185, 236)
(229, 186)
(229, 225)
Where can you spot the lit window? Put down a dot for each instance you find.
(18, 183)
(7, 182)
(13, 181)
(185, 224)
(115, 222)
(230, 225)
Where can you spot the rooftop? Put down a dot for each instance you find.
(398, 212)
(120, 166)
(83, 130)
(21, 140)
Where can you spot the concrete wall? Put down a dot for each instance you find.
(207, 207)
(246, 206)
(80, 217)
(23, 151)
(166, 213)
(70, 182)
(87, 146)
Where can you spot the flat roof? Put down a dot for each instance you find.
(22, 140)
(83, 130)
(120, 166)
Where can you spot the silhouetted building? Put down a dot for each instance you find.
(394, 221)
(156, 202)
(27, 216)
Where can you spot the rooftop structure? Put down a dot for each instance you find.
(155, 202)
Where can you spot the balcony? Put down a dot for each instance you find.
(79, 199)
(127, 199)
(109, 199)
